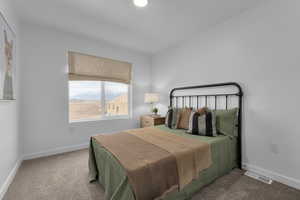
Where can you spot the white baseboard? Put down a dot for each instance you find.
(55, 151)
(292, 182)
(10, 178)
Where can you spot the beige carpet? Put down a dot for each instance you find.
(64, 177)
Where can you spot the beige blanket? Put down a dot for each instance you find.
(156, 161)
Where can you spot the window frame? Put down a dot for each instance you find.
(102, 116)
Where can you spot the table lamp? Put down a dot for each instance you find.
(152, 98)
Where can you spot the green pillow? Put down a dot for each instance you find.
(226, 121)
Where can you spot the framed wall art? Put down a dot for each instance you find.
(7, 60)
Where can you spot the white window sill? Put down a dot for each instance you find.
(107, 118)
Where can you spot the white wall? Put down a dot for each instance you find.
(9, 142)
(260, 49)
(44, 89)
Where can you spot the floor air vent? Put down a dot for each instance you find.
(259, 177)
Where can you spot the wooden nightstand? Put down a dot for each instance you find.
(151, 120)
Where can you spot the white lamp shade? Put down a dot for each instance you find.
(151, 97)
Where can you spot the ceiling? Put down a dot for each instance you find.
(163, 23)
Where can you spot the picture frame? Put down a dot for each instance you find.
(7, 61)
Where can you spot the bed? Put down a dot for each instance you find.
(225, 150)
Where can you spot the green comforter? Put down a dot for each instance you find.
(106, 169)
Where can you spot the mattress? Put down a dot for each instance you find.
(106, 169)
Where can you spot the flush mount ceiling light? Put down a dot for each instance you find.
(140, 3)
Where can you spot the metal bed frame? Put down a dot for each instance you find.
(239, 95)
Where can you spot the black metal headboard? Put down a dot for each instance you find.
(175, 100)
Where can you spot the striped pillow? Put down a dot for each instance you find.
(168, 121)
(172, 118)
(175, 117)
(203, 124)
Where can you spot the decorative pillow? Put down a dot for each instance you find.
(193, 123)
(172, 118)
(202, 124)
(202, 111)
(184, 117)
(175, 117)
(169, 116)
(226, 121)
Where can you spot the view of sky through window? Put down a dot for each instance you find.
(85, 99)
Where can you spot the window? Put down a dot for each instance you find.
(93, 100)
(98, 87)
(116, 98)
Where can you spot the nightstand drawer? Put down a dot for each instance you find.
(147, 123)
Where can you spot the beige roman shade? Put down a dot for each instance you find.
(86, 67)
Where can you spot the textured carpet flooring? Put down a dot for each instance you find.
(64, 177)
